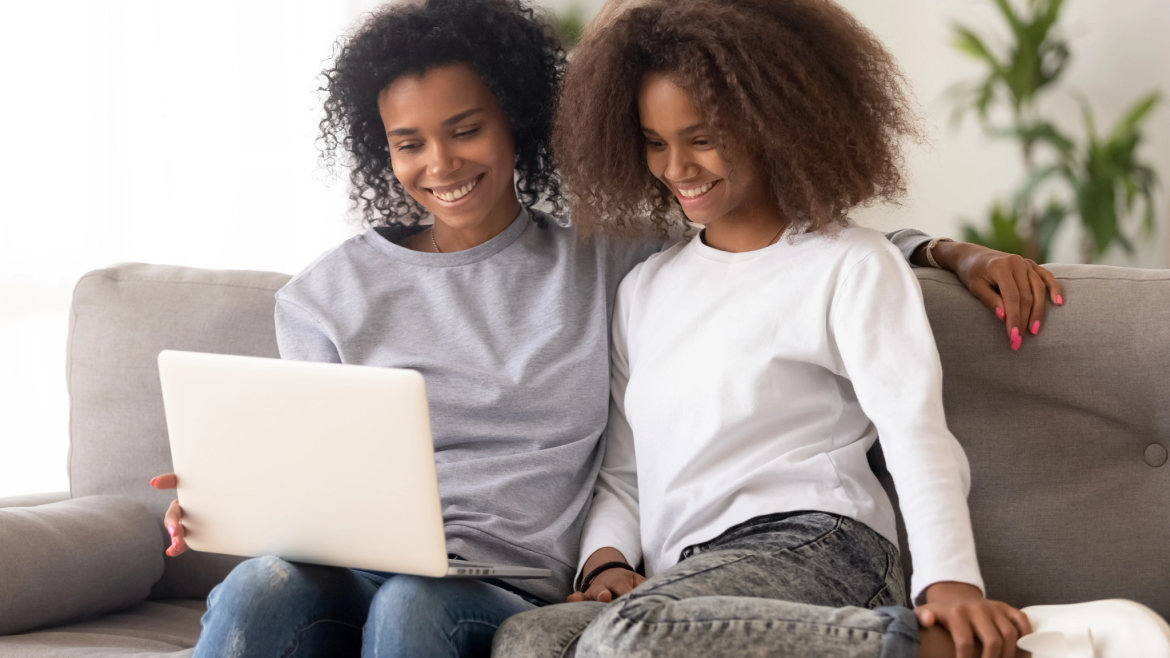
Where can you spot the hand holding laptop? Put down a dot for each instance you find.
(174, 516)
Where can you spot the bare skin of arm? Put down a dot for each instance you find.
(1012, 287)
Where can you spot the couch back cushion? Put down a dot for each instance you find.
(121, 318)
(1067, 438)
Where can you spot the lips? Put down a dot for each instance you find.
(453, 193)
(695, 194)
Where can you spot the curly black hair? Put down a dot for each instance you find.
(512, 48)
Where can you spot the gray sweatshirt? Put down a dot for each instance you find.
(512, 337)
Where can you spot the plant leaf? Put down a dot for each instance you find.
(1137, 112)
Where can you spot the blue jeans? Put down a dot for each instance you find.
(793, 584)
(268, 607)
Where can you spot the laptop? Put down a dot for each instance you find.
(311, 462)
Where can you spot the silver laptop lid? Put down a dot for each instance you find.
(314, 462)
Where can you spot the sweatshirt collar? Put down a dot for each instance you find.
(701, 249)
(454, 258)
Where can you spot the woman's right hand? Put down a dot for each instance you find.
(608, 585)
(174, 517)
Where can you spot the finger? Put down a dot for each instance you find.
(1007, 631)
(165, 481)
(1019, 619)
(1050, 280)
(171, 518)
(605, 596)
(173, 522)
(983, 291)
(621, 587)
(960, 629)
(925, 616)
(1020, 274)
(1010, 293)
(987, 632)
(575, 597)
(179, 545)
(1039, 300)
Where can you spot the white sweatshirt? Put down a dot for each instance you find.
(751, 383)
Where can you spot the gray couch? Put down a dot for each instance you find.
(1067, 442)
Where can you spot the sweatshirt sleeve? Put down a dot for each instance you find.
(879, 326)
(908, 240)
(300, 337)
(613, 519)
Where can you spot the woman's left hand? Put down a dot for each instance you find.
(1011, 286)
(968, 615)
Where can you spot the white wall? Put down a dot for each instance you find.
(139, 130)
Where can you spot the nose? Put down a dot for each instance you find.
(679, 165)
(442, 160)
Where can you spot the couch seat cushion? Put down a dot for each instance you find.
(154, 628)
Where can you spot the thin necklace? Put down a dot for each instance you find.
(774, 237)
(436, 244)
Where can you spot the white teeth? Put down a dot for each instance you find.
(457, 194)
(698, 191)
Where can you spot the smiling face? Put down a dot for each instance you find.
(451, 147)
(681, 152)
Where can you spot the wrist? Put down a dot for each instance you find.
(600, 557)
(950, 591)
(945, 253)
(588, 578)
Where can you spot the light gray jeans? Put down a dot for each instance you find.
(794, 584)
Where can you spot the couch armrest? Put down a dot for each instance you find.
(75, 558)
(33, 500)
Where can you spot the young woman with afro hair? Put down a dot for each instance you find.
(755, 365)
(470, 273)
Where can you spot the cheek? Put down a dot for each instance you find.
(656, 162)
(714, 164)
(498, 151)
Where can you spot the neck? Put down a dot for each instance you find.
(744, 231)
(456, 238)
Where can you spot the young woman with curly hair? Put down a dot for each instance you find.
(755, 365)
(443, 111)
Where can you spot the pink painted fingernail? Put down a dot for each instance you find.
(1015, 334)
(1059, 300)
(152, 481)
(999, 312)
(171, 529)
(1035, 327)
(1016, 343)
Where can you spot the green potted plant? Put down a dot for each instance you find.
(1101, 176)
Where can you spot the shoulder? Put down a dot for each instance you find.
(621, 252)
(849, 245)
(648, 267)
(329, 271)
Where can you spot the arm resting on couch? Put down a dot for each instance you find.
(75, 558)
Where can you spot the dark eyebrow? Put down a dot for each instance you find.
(690, 129)
(461, 116)
(399, 132)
